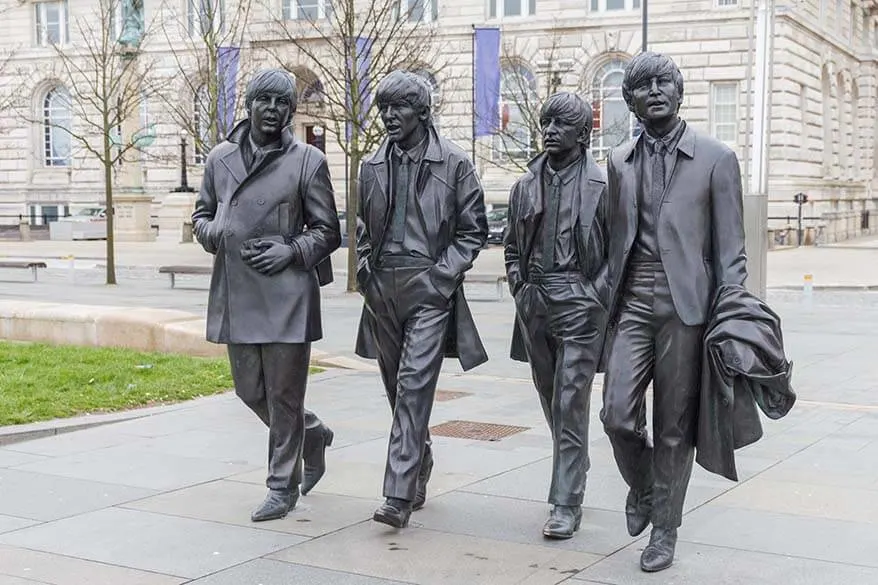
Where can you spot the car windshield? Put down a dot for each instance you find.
(497, 214)
(90, 211)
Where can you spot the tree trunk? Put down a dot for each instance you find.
(351, 207)
(111, 215)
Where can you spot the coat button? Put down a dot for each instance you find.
(260, 201)
(230, 234)
(235, 203)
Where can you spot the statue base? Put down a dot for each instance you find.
(132, 217)
(174, 215)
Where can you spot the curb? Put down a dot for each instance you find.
(827, 287)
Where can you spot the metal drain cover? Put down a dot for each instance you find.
(467, 429)
(446, 395)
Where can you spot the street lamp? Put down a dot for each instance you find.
(644, 11)
(184, 183)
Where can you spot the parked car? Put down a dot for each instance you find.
(497, 224)
(89, 223)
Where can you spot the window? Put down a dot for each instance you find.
(726, 2)
(57, 123)
(51, 19)
(724, 111)
(518, 97)
(511, 8)
(201, 117)
(613, 122)
(614, 5)
(306, 9)
(205, 16)
(852, 22)
(865, 31)
(839, 16)
(419, 10)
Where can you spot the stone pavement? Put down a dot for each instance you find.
(165, 498)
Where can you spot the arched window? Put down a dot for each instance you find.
(826, 89)
(840, 139)
(57, 120)
(201, 125)
(613, 122)
(435, 96)
(518, 101)
(854, 131)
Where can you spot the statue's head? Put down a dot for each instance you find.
(270, 100)
(565, 122)
(653, 87)
(404, 102)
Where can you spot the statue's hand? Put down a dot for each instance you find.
(203, 229)
(268, 257)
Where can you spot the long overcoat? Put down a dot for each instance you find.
(453, 203)
(288, 195)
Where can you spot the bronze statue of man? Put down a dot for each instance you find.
(266, 210)
(420, 225)
(677, 234)
(556, 265)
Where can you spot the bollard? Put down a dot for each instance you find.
(24, 229)
(808, 288)
(71, 267)
(187, 232)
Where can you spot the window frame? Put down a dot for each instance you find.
(430, 14)
(497, 9)
(715, 124)
(600, 150)
(195, 14)
(292, 10)
(41, 27)
(51, 124)
(503, 141)
(600, 7)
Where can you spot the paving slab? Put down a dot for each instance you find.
(231, 502)
(429, 557)
(41, 567)
(147, 541)
(38, 496)
(127, 465)
(698, 564)
(815, 538)
(10, 523)
(602, 532)
(11, 457)
(269, 572)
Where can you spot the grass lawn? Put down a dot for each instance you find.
(42, 382)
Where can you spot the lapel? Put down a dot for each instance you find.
(591, 183)
(686, 148)
(530, 207)
(234, 159)
(428, 206)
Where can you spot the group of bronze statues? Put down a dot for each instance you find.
(616, 273)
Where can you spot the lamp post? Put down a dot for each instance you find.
(644, 12)
(184, 182)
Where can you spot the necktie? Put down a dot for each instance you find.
(658, 175)
(400, 202)
(550, 224)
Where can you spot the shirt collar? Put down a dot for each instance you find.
(268, 147)
(670, 139)
(415, 153)
(566, 174)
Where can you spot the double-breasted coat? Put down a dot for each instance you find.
(453, 206)
(287, 196)
(591, 235)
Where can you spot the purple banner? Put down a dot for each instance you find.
(486, 81)
(362, 55)
(227, 75)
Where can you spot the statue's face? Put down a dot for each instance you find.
(656, 99)
(559, 136)
(400, 120)
(269, 113)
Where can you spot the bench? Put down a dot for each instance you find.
(174, 270)
(23, 264)
(498, 279)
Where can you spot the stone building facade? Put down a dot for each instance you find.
(824, 89)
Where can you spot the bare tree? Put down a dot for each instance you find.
(108, 81)
(196, 39)
(349, 45)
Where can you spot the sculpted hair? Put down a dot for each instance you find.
(406, 87)
(642, 68)
(272, 82)
(571, 109)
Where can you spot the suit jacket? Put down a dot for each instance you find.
(743, 367)
(288, 195)
(591, 235)
(700, 227)
(453, 206)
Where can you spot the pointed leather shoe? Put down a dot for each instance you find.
(423, 477)
(276, 505)
(638, 507)
(317, 440)
(394, 512)
(563, 522)
(659, 553)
